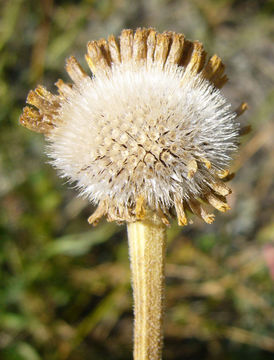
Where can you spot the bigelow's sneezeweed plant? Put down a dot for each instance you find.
(148, 135)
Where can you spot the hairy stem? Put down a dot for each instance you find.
(147, 244)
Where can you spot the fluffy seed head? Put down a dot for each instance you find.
(150, 129)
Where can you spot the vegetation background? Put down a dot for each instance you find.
(64, 286)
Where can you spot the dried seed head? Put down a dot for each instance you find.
(150, 130)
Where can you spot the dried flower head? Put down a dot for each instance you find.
(149, 129)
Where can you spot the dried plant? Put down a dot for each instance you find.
(148, 134)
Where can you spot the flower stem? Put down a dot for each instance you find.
(147, 244)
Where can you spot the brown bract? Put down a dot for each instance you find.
(143, 45)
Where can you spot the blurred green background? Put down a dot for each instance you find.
(65, 286)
